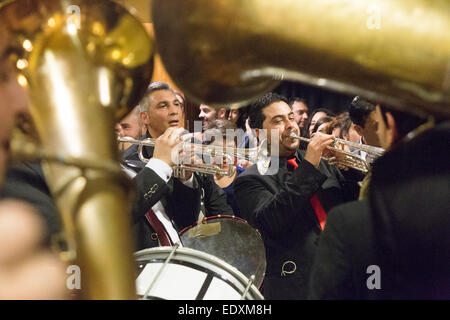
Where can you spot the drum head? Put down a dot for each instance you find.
(189, 275)
(231, 239)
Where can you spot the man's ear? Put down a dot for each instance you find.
(143, 116)
(221, 113)
(358, 129)
(392, 135)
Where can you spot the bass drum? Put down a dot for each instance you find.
(231, 239)
(173, 273)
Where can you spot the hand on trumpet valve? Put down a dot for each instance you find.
(188, 156)
(335, 157)
(166, 146)
(316, 147)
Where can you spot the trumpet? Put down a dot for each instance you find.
(258, 155)
(179, 169)
(348, 159)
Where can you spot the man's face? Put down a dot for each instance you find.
(300, 113)
(129, 126)
(372, 131)
(164, 111)
(314, 119)
(13, 102)
(353, 135)
(279, 116)
(207, 115)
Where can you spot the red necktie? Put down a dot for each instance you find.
(314, 201)
(163, 236)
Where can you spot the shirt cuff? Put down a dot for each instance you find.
(162, 169)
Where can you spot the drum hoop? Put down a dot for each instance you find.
(215, 261)
(195, 266)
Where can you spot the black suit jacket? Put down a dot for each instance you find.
(181, 203)
(278, 205)
(403, 228)
(346, 250)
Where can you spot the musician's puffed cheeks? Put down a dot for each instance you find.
(26, 270)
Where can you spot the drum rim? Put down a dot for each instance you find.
(217, 262)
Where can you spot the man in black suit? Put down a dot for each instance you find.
(394, 244)
(176, 202)
(288, 207)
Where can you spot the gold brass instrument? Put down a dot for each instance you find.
(84, 64)
(258, 155)
(346, 158)
(179, 169)
(231, 51)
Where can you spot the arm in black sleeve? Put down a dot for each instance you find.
(185, 203)
(275, 212)
(349, 180)
(215, 198)
(150, 188)
(331, 271)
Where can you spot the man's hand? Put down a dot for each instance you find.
(27, 271)
(316, 146)
(189, 157)
(165, 146)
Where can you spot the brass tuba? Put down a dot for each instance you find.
(226, 51)
(84, 64)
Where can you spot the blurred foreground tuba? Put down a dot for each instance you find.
(84, 64)
(226, 51)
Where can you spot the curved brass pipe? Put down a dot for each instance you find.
(84, 64)
(226, 51)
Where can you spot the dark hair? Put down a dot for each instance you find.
(343, 122)
(321, 121)
(360, 110)
(295, 99)
(154, 86)
(255, 112)
(219, 127)
(222, 125)
(404, 122)
(328, 112)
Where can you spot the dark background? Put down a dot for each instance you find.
(315, 97)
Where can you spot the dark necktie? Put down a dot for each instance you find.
(163, 236)
(314, 200)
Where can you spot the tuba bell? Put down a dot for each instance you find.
(84, 64)
(228, 51)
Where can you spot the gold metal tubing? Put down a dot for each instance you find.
(348, 159)
(231, 51)
(86, 64)
(372, 151)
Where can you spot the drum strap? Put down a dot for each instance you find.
(163, 236)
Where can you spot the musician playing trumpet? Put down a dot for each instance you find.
(164, 205)
(289, 208)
